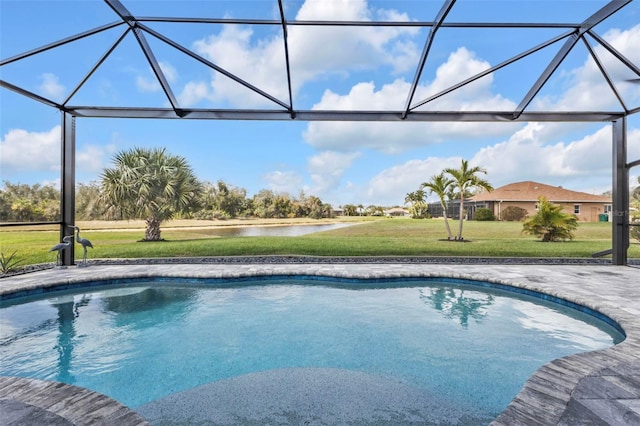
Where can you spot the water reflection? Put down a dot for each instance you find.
(150, 307)
(68, 312)
(454, 303)
(148, 299)
(273, 231)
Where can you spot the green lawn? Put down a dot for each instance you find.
(384, 237)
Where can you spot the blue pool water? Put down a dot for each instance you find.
(472, 347)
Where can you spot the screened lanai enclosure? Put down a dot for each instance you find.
(266, 60)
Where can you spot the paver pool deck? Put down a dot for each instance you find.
(600, 387)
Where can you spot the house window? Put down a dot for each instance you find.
(607, 208)
(576, 208)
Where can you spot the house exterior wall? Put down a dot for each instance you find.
(526, 194)
(589, 211)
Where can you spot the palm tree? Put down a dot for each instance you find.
(418, 205)
(465, 180)
(634, 231)
(149, 184)
(441, 186)
(350, 209)
(550, 223)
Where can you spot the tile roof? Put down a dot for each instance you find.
(530, 191)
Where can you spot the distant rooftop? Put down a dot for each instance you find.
(530, 191)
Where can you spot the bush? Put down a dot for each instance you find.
(634, 232)
(483, 214)
(211, 215)
(10, 263)
(550, 223)
(513, 214)
(424, 215)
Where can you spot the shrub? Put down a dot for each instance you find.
(425, 215)
(634, 232)
(550, 223)
(513, 214)
(483, 214)
(10, 263)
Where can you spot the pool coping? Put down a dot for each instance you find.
(600, 386)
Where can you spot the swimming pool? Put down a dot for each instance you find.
(451, 344)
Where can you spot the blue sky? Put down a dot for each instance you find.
(344, 68)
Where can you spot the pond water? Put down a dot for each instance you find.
(273, 231)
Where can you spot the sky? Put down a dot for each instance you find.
(361, 68)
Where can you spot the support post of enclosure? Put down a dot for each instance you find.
(68, 184)
(620, 209)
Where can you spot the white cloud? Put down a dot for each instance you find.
(284, 181)
(149, 82)
(588, 90)
(582, 165)
(51, 86)
(317, 51)
(56, 183)
(193, 92)
(261, 65)
(93, 158)
(460, 65)
(314, 52)
(390, 186)
(24, 151)
(391, 137)
(327, 169)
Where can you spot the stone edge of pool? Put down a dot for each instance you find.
(39, 402)
(576, 388)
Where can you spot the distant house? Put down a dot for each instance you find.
(587, 207)
(397, 211)
(338, 211)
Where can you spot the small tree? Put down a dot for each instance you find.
(419, 206)
(465, 179)
(550, 223)
(441, 186)
(149, 184)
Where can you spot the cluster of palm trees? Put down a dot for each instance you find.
(450, 184)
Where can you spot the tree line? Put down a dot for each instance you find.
(41, 203)
(154, 185)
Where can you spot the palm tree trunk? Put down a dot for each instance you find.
(446, 221)
(153, 229)
(461, 218)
